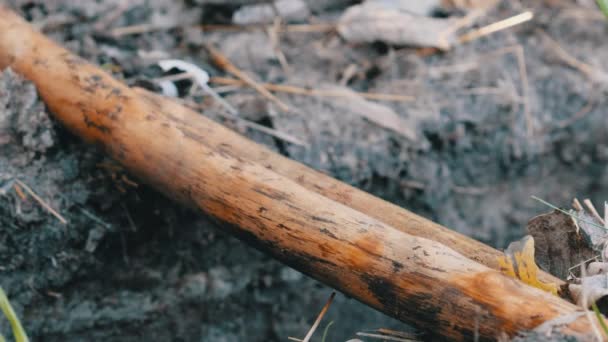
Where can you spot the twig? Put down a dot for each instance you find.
(129, 182)
(587, 69)
(283, 88)
(412, 184)
(458, 24)
(250, 124)
(578, 228)
(41, 201)
(319, 318)
(391, 332)
(593, 211)
(577, 116)
(492, 91)
(495, 27)
(272, 132)
(576, 204)
(232, 112)
(137, 29)
(385, 337)
(581, 264)
(19, 192)
(290, 89)
(129, 218)
(224, 63)
(273, 33)
(523, 75)
(106, 19)
(299, 28)
(470, 190)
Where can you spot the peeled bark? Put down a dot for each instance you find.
(397, 262)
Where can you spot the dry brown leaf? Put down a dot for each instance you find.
(519, 263)
(378, 21)
(560, 244)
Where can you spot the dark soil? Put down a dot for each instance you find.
(131, 265)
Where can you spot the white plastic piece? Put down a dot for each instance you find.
(168, 88)
(200, 76)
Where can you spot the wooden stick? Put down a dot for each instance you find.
(307, 220)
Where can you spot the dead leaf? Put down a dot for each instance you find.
(559, 246)
(519, 263)
(383, 21)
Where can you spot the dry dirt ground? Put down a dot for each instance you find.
(131, 265)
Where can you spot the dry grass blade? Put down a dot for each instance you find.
(233, 113)
(19, 192)
(272, 132)
(111, 16)
(403, 334)
(590, 71)
(41, 201)
(274, 32)
(224, 63)
(253, 125)
(495, 27)
(386, 337)
(576, 204)
(319, 318)
(289, 89)
(296, 28)
(523, 75)
(137, 29)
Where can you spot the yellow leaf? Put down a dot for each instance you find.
(518, 262)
